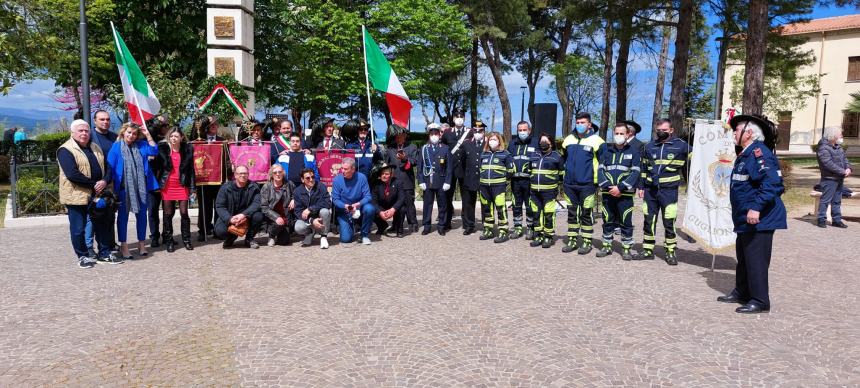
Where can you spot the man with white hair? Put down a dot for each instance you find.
(84, 176)
(834, 167)
(757, 211)
(350, 194)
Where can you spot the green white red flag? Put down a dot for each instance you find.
(382, 78)
(139, 97)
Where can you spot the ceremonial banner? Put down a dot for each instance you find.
(208, 163)
(708, 217)
(256, 157)
(329, 164)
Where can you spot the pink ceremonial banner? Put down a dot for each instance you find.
(256, 157)
(329, 163)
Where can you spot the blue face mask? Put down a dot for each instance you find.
(523, 135)
(581, 128)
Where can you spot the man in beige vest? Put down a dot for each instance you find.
(83, 175)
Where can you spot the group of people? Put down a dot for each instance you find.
(378, 186)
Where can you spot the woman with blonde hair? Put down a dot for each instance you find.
(132, 181)
(276, 202)
(497, 165)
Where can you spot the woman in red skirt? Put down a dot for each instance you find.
(176, 159)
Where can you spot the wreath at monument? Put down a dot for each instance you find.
(222, 96)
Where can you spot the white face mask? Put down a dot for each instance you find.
(459, 121)
(840, 141)
(478, 136)
(434, 139)
(494, 143)
(619, 139)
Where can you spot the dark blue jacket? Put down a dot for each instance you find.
(619, 167)
(496, 167)
(104, 141)
(521, 151)
(434, 166)
(663, 163)
(581, 159)
(547, 171)
(364, 157)
(757, 185)
(832, 161)
(315, 199)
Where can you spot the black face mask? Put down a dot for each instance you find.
(662, 135)
(544, 147)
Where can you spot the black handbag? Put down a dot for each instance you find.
(103, 205)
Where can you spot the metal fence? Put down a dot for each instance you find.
(34, 178)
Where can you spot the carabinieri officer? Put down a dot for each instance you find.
(757, 211)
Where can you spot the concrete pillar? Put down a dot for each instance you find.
(230, 42)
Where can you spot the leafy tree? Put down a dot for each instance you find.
(583, 75)
(25, 48)
(780, 95)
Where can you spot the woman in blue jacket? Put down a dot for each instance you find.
(132, 180)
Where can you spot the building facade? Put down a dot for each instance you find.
(835, 43)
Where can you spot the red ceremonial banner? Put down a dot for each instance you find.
(208, 163)
(329, 164)
(256, 157)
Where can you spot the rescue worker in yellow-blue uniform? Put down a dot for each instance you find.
(547, 171)
(618, 177)
(757, 211)
(580, 183)
(662, 171)
(522, 146)
(496, 166)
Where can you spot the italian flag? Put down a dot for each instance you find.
(139, 98)
(382, 78)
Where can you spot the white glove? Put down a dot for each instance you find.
(423, 186)
(446, 187)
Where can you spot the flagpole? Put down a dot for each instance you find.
(367, 85)
(133, 95)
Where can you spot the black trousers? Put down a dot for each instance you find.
(455, 184)
(280, 233)
(439, 196)
(154, 199)
(206, 206)
(521, 191)
(255, 222)
(409, 210)
(397, 220)
(469, 199)
(753, 250)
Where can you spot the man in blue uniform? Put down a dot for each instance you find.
(662, 166)
(757, 211)
(434, 178)
(580, 183)
(618, 178)
(522, 146)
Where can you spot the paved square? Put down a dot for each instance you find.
(424, 311)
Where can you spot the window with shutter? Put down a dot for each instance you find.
(853, 69)
(850, 124)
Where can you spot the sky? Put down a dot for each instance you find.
(36, 95)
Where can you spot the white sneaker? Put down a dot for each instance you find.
(323, 243)
(365, 241)
(271, 242)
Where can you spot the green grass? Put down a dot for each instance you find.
(4, 193)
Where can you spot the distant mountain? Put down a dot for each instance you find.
(33, 121)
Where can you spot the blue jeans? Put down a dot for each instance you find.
(831, 194)
(78, 220)
(122, 221)
(345, 222)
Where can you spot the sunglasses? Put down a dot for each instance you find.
(307, 177)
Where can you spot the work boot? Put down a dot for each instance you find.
(487, 234)
(537, 241)
(570, 245)
(646, 254)
(585, 248)
(517, 233)
(503, 236)
(548, 241)
(627, 255)
(671, 259)
(530, 234)
(605, 251)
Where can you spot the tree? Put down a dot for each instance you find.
(583, 75)
(698, 93)
(677, 100)
(25, 49)
(660, 85)
(779, 95)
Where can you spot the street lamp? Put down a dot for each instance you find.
(823, 116)
(522, 102)
(85, 68)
